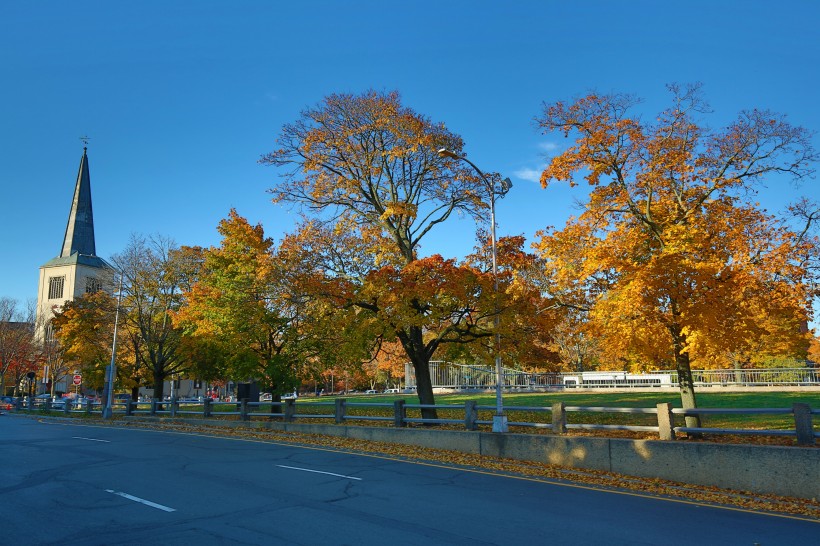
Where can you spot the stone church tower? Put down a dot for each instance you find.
(77, 270)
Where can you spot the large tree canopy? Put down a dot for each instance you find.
(670, 244)
(368, 158)
(368, 162)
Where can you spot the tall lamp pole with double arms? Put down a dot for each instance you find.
(499, 419)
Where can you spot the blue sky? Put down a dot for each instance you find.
(180, 99)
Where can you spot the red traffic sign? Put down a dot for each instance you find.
(78, 379)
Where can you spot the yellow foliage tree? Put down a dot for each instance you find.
(671, 255)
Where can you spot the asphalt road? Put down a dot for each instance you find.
(63, 483)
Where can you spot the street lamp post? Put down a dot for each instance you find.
(499, 419)
(108, 411)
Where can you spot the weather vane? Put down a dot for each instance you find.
(85, 140)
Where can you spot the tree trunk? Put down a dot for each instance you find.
(424, 388)
(159, 380)
(412, 340)
(685, 380)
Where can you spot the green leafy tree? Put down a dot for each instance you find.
(239, 307)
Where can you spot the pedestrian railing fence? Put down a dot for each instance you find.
(562, 418)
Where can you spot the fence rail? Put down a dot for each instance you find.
(451, 376)
(466, 415)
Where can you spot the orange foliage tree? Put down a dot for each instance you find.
(671, 255)
(527, 319)
(372, 164)
(387, 366)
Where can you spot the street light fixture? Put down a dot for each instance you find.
(499, 419)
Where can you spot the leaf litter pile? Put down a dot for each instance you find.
(526, 469)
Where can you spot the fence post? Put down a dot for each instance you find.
(206, 407)
(67, 406)
(243, 410)
(399, 414)
(666, 421)
(47, 405)
(129, 406)
(89, 406)
(559, 418)
(153, 406)
(290, 409)
(18, 404)
(470, 414)
(174, 407)
(30, 403)
(340, 410)
(803, 425)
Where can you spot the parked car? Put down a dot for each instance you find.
(6, 402)
(391, 391)
(265, 397)
(41, 399)
(371, 391)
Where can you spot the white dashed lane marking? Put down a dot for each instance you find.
(319, 472)
(141, 501)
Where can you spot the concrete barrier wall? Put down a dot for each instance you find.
(787, 471)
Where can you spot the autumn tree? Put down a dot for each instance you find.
(670, 244)
(323, 268)
(527, 319)
(84, 328)
(373, 163)
(450, 303)
(243, 306)
(387, 365)
(150, 294)
(16, 338)
(813, 355)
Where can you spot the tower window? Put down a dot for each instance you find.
(92, 285)
(55, 287)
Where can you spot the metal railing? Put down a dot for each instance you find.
(448, 375)
(343, 411)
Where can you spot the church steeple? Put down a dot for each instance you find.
(79, 232)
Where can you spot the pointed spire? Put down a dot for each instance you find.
(79, 232)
